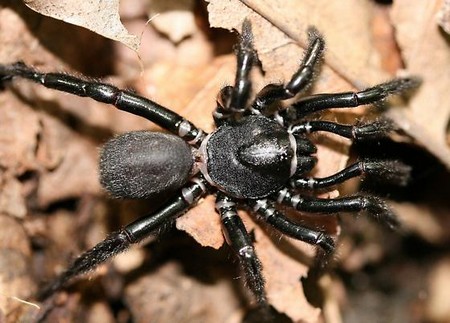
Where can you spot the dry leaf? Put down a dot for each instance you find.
(426, 53)
(352, 61)
(280, 27)
(101, 17)
(437, 309)
(179, 297)
(443, 16)
(16, 283)
(174, 18)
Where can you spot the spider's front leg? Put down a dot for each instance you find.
(106, 93)
(233, 99)
(319, 102)
(134, 232)
(299, 81)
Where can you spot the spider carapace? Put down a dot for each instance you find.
(256, 158)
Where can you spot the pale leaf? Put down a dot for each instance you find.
(101, 17)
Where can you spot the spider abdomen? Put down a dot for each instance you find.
(250, 158)
(141, 164)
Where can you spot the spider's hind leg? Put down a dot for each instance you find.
(134, 232)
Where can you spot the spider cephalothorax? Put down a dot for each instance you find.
(257, 157)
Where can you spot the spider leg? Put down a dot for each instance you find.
(324, 101)
(134, 232)
(388, 171)
(238, 238)
(299, 81)
(245, 59)
(232, 99)
(106, 93)
(279, 221)
(373, 205)
(363, 131)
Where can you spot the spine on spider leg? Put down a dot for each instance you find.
(106, 93)
(238, 238)
(119, 241)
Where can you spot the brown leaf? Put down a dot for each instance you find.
(16, 284)
(174, 18)
(102, 17)
(437, 309)
(280, 34)
(280, 38)
(443, 16)
(426, 53)
(178, 297)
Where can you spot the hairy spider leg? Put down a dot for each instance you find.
(388, 171)
(233, 99)
(299, 81)
(373, 205)
(391, 171)
(245, 59)
(106, 93)
(134, 232)
(266, 209)
(240, 241)
(318, 102)
(362, 131)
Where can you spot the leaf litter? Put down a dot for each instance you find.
(352, 61)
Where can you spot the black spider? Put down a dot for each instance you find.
(256, 158)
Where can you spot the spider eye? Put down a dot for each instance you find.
(142, 164)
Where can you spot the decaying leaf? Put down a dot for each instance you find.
(443, 16)
(48, 141)
(426, 53)
(173, 18)
(280, 30)
(102, 17)
(177, 296)
(16, 283)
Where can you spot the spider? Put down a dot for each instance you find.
(257, 158)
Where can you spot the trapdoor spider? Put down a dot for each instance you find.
(256, 158)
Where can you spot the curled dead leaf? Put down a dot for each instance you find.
(101, 17)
